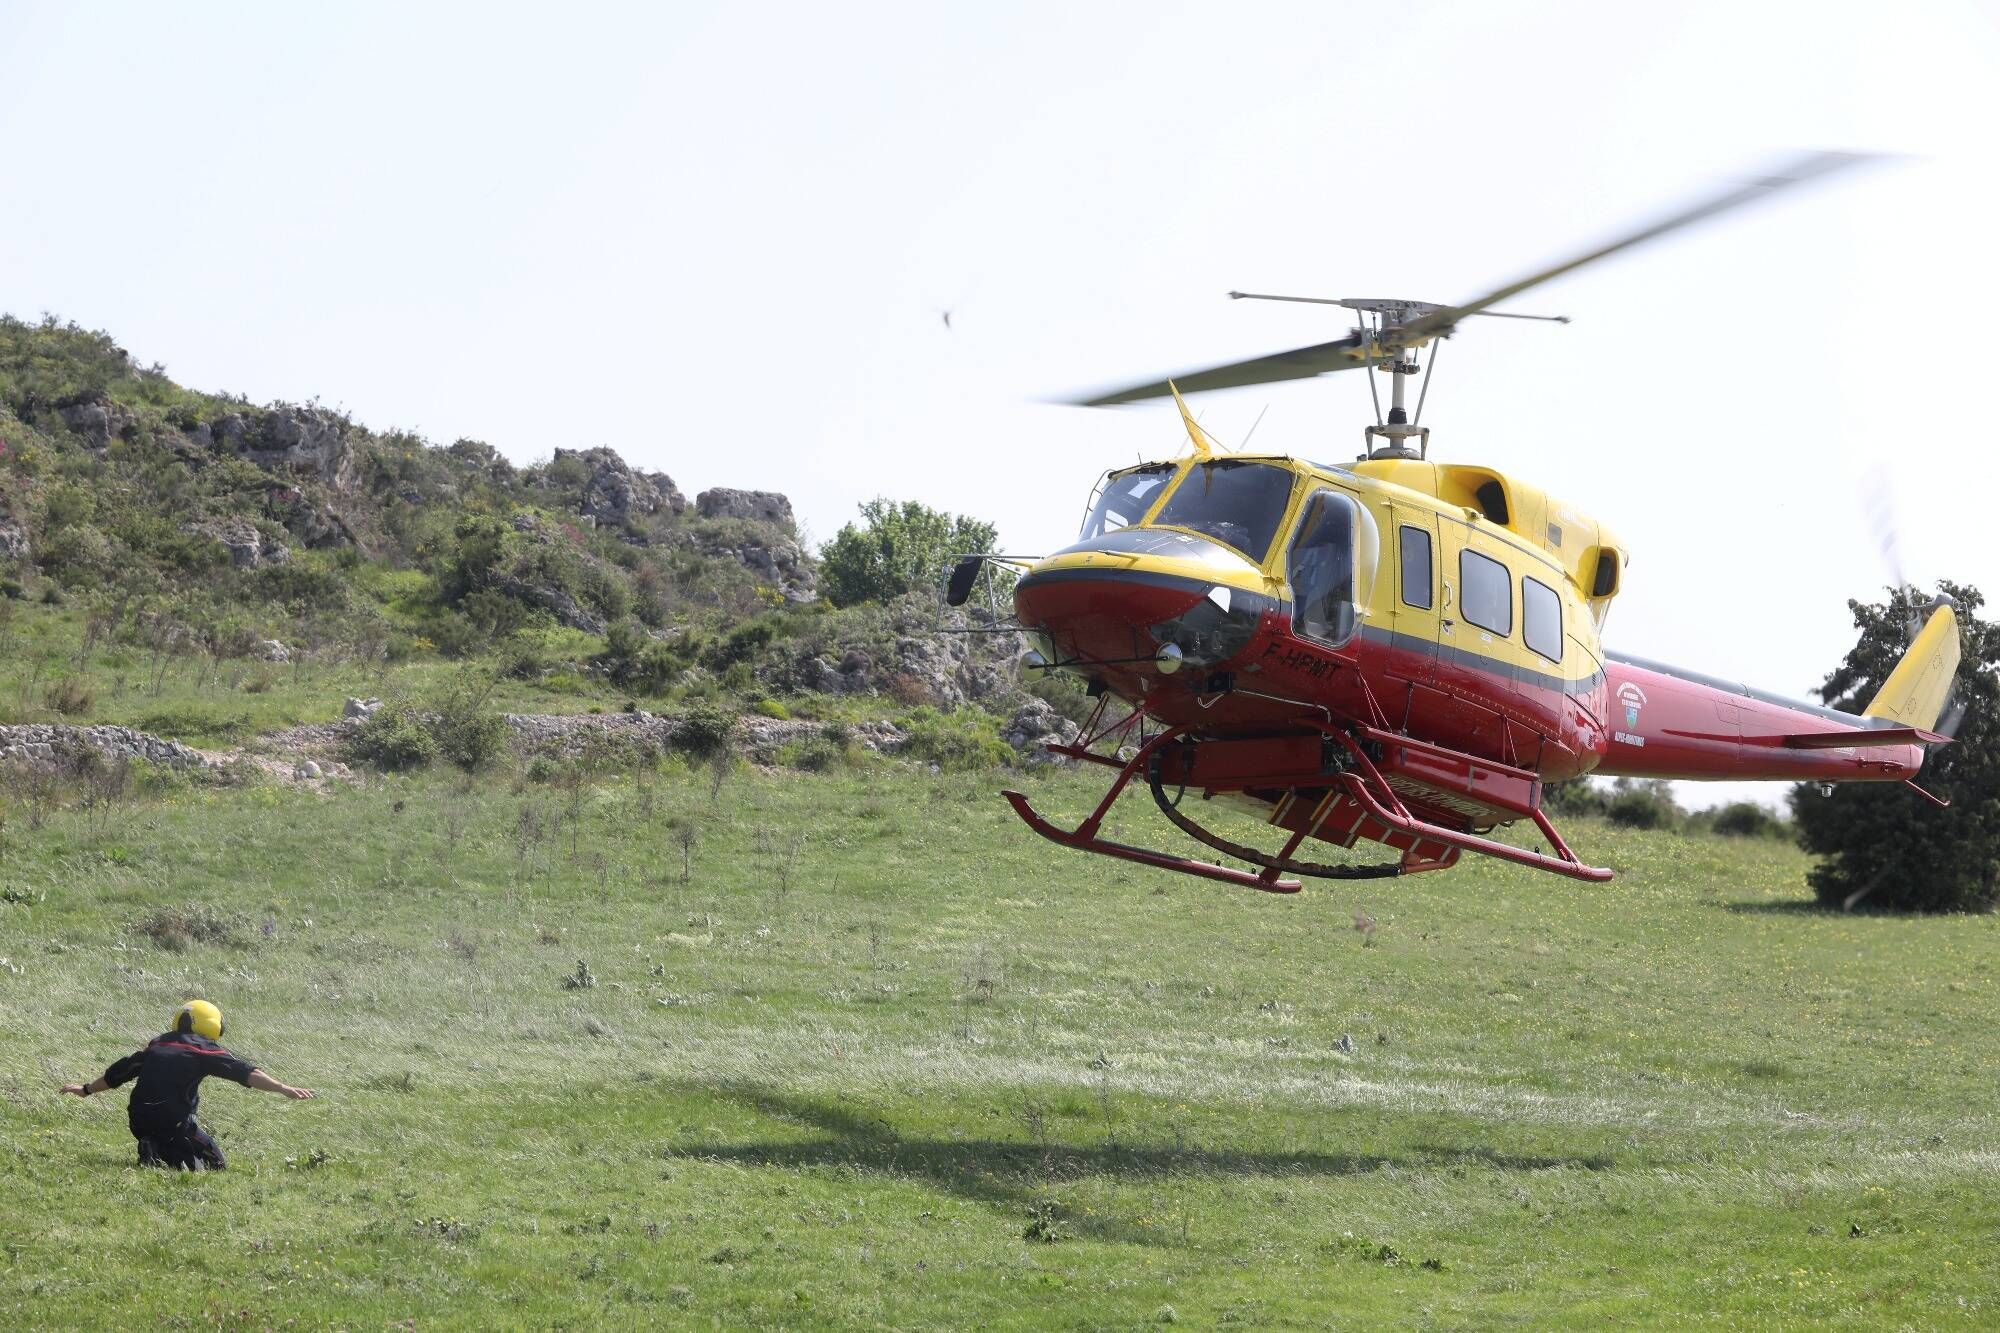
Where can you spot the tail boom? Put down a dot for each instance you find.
(1670, 723)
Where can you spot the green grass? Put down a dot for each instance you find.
(887, 1059)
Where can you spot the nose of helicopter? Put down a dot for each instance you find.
(1137, 604)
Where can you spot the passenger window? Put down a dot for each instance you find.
(1321, 569)
(1486, 594)
(1542, 619)
(1416, 562)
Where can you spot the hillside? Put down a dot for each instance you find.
(211, 570)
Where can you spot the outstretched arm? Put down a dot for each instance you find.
(263, 1082)
(122, 1071)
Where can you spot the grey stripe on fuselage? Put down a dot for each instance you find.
(1492, 666)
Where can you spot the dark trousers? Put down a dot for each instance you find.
(185, 1147)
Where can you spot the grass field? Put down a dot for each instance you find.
(885, 1058)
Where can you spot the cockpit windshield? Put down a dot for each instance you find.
(1124, 498)
(1234, 502)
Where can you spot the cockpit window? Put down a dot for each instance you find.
(1331, 567)
(1124, 498)
(1236, 503)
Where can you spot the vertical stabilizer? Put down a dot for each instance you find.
(1915, 692)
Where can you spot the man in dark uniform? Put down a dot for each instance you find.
(170, 1069)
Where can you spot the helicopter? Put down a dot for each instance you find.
(1394, 650)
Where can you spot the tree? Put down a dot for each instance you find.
(895, 548)
(1882, 845)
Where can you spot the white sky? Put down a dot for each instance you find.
(719, 239)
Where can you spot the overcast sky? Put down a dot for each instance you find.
(721, 240)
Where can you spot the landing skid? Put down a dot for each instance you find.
(1350, 799)
(1084, 836)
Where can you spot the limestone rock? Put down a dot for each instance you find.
(270, 650)
(13, 539)
(248, 548)
(763, 506)
(97, 421)
(1035, 726)
(301, 439)
(617, 494)
(776, 560)
(48, 743)
(357, 710)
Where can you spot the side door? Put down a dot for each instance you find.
(1416, 592)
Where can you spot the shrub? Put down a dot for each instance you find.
(1747, 819)
(70, 696)
(1578, 796)
(773, 709)
(1648, 805)
(176, 928)
(394, 737)
(705, 730)
(466, 732)
(909, 691)
(961, 741)
(524, 661)
(817, 754)
(895, 549)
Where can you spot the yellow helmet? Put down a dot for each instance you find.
(199, 1017)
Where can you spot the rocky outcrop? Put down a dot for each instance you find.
(1035, 726)
(948, 669)
(555, 601)
(308, 440)
(849, 675)
(775, 559)
(248, 548)
(49, 743)
(13, 538)
(317, 526)
(616, 493)
(98, 421)
(761, 506)
(758, 737)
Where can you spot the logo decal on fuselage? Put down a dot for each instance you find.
(1633, 698)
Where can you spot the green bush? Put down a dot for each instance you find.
(963, 741)
(1578, 796)
(815, 754)
(466, 731)
(1647, 805)
(773, 709)
(394, 737)
(704, 730)
(895, 549)
(1747, 819)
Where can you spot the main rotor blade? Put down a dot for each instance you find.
(1301, 363)
(1797, 172)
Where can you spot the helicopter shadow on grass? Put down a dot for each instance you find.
(1784, 907)
(1020, 1175)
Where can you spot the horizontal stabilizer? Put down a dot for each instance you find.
(1840, 740)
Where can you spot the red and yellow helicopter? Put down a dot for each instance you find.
(1396, 650)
